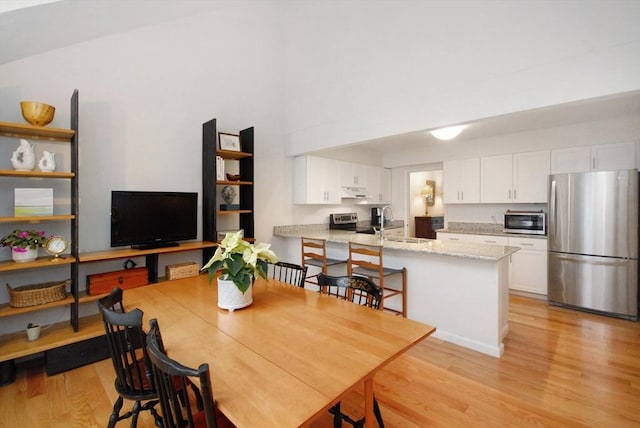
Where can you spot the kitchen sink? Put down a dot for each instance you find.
(406, 239)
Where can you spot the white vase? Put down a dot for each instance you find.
(230, 298)
(33, 333)
(22, 255)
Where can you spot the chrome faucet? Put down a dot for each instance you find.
(382, 220)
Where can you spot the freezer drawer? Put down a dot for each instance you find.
(596, 283)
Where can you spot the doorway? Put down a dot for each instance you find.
(417, 201)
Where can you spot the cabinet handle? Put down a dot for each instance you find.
(593, 162)
(462, 194)
(514, 195)
(509, 194)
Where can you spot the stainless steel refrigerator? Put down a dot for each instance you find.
(593, 242)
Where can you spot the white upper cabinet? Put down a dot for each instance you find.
(604, 157)
(608, 157)
(378, 181)
(461, 181)
(316, 180)
(352, 174)
(385, 186)
(518, 178)
(496, 179)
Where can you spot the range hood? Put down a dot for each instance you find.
(349, 192)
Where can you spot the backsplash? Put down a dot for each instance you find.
(474, 227)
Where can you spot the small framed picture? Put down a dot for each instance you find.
(229, 141)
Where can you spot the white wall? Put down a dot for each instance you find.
(144, 95)
(360, 70)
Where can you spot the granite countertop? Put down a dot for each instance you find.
(470, 250)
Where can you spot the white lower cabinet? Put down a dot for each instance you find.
(528, 266)
(528, 270)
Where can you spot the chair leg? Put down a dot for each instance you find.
(376, 412)
(117, 406)
(134, 414)
(337, 416)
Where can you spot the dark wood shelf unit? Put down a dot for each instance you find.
(210, 186)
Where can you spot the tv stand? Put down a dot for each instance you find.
(151, 255)
(155, 245)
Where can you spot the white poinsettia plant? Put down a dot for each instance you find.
(240, 261)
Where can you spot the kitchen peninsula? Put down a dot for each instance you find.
(461, 288)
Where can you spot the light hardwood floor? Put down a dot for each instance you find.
(561, 368)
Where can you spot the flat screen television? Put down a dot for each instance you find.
(153, 219)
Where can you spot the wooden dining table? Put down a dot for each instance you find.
(284, 360)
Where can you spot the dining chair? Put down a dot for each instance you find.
(171, 377)
(314, 253)
(360, 290)
(367, 260)
(290, 273)
(126, 341)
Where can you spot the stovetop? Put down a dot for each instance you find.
(349, 222)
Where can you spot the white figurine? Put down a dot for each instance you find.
(24, 158)
(48, 162)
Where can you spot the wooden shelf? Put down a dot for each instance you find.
(234, 183)
(127, 252)
(37, 219)
(16, 345)
(40, 262)
(18, 130)
(219, 212)
(35, 174)
(6, 310)
(229, 154)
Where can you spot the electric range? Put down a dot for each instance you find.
(349, 222)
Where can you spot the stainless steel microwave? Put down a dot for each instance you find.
(525, 222)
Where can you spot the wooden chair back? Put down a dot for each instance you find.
(126, 341)
(367, 260)
(171, 377)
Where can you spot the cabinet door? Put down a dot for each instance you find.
(385, 186)
(352, 174)
(470, 181)
(530, 176)
(608, 157)
(572, 159)
(461, 181)
(528, 270)
(331, 181)
(316, 180)
(373, 177)
(496, 179)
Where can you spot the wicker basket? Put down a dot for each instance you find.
(36, 294)
(182, 270)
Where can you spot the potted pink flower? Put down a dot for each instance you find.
(24, 244)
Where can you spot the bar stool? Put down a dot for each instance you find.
(314, 253)
(366, 260)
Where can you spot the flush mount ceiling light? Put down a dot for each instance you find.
(447, 133)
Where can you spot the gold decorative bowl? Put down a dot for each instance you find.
(38, 114)
(233, 177)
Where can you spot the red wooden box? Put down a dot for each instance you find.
(102, 283)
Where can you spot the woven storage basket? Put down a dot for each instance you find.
(182, 270)
(36, 294)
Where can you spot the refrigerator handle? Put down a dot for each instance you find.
(552, 207)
